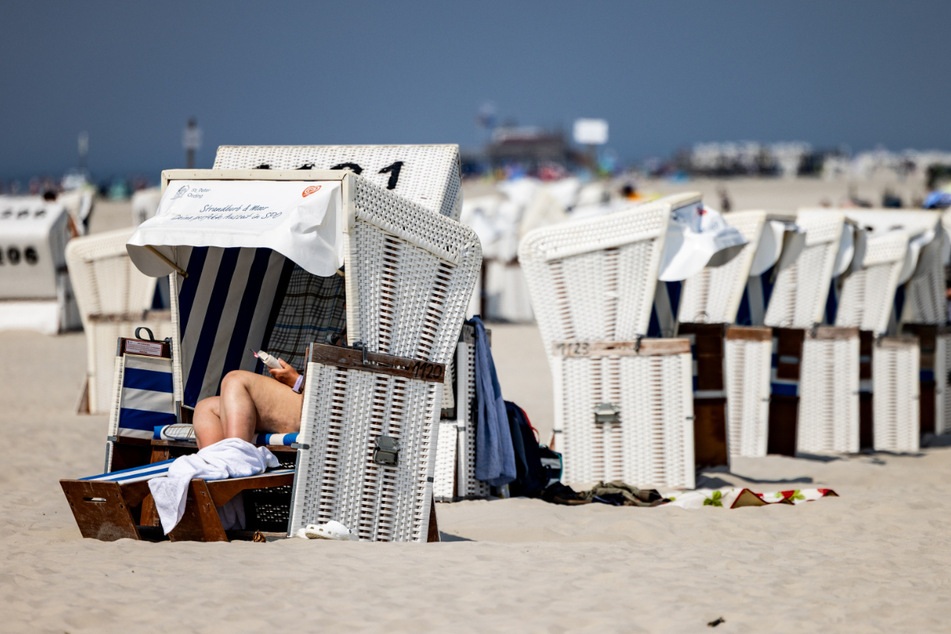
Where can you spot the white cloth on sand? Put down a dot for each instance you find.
(228, 458)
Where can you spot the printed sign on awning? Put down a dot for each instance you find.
(299, 219)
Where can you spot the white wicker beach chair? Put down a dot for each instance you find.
(713, 296)
(917, 272)
(114, 298)
(623, 404)
(830, 419)
(409, 276)
(798, 302)
(35, 292)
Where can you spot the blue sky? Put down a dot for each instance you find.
(665, 75)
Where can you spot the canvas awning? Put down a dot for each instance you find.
(697, 237)
(298, 219)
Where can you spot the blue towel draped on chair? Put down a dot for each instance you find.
(495, 456)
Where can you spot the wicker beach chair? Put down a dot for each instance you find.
(796, 307)
(623, 403)
(709, 303)
(35, 291)
(114, 299)
(921, 305)
(907, 398)
(409, 275)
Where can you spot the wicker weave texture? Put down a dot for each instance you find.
(344, 412)
(650, 444)
(867, 295)
(714, 294)
(427, 174)
(829, 403)
(925, 301)
(444, 473)
(410, 274)
(468, 486)
(595, 279)
(747, 372)
(895, 406)
(801, 289)
(103, 277)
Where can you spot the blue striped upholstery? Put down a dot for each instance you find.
(154, 470)
(285, 440)
(135, 474)
(237, 300)
(147, 398)
(225, 308)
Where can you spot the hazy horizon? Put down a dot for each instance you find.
(860, 74)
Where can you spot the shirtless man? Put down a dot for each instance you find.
(251, 403)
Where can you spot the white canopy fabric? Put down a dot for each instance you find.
(298, 219)
(697, 237)
(772, 243)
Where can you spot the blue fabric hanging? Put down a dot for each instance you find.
(495, 457)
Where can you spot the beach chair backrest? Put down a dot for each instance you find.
(867, 295)
(143, 393)
(799, 295)
(921, 299)
(594, 280)
(428, 175)
(714, 294)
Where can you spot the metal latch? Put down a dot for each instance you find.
(607, 413)
(387, 451)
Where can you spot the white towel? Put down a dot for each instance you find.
(228, 458)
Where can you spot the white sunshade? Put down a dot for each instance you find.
(299, 219)
(772, 243)
(697, 237)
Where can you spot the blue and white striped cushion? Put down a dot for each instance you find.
(147, 398)
(285, 440)
(154, 470)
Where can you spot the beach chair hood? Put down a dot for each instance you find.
(298, 219)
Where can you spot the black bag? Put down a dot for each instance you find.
(532, 476)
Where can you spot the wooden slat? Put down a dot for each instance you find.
(200, 521)
(646, 347)
(749, 333)
(100, 510)
(789, 353)
(783, 413)
(709, 432)
(835, 333)
(380, 363)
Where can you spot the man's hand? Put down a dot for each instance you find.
(286, 374)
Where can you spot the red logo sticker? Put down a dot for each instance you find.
(310, 190)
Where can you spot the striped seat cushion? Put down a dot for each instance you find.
(154, 470)
(184, 433)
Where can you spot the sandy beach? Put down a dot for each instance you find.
(872, 559)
